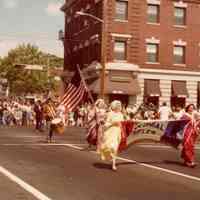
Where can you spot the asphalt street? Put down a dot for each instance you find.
(30, 169)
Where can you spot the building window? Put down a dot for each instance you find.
(121, 10)
(152, 53)
(180, 16)
(153, 13)
(120, 50)
(179, 55)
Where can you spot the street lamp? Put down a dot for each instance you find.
(89, 15)
(61, 35)
(103, 55)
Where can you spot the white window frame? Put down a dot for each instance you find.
(122, 20)
(183, 6)
(154, 2)
(158, 6)
(175, 44)
(125, 42)
(156, 42)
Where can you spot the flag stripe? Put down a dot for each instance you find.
(78, 98)
(69, 88)
(74, 95)
(73, 102)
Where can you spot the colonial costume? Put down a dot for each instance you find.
(115, 134)
(57, 121)
(96, 118)
(191, 133)
(184, 131)
(48, 112)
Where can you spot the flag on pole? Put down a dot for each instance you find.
(75, 92)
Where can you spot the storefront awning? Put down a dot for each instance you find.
(152, 87)
(179, 89)
(116, 87)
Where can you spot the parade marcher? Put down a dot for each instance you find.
(96, 118)
(184, 131)
(48, 112)
(115, 134)
(191, 132)
(57, 123)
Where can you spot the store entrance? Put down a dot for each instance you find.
(178, 102)
(152, 100)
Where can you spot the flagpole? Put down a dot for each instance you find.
(84, 83)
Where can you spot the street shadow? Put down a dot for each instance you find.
(89, 149)
(102, 166)
(42, 142)
(109, 166)
(166, 162)
(126, 163)
(169, 162)
(151, 162)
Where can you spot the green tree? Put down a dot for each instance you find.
(23, 81)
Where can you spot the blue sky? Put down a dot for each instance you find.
(33, 21)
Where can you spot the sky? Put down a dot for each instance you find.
(31, 21)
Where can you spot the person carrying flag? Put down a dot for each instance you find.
(96, 119)
(184, 131)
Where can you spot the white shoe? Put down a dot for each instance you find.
(114, 168)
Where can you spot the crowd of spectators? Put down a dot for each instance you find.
(25, 113)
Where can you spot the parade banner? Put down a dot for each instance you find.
(168, 132)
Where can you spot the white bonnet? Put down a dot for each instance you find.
(115, 104)
(99, 101)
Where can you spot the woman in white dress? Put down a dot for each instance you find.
(111, 138)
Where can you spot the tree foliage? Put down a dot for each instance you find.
(22, 81)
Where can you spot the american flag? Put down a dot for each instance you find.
(75, 92)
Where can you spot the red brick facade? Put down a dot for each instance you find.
(83, 34)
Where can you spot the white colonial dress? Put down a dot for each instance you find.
(111, 138)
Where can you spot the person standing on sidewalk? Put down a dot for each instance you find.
(38, 115)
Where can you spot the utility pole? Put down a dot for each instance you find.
(103, 44)
(103, 50)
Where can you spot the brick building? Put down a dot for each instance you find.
(152, 48)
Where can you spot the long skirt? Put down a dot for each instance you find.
(190, 137)
(111, 138)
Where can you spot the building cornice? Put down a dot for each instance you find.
(188, 1)
(170, 72)
(128, 36)
(154, 2)
(120, 66)
(180, 4)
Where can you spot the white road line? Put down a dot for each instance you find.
(21, 136)
(147, 165)
(160, 146)
(74, 146)
(42, 144)
(23, 184)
